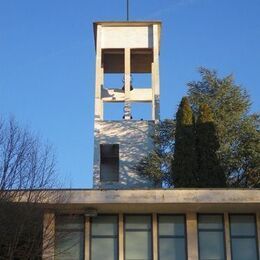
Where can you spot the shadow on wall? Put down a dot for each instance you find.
(134, 142)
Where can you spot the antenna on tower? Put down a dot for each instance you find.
(127, 10)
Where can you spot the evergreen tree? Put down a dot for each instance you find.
(237, 130)
(210, 173)
(184, 164)
(157, 165)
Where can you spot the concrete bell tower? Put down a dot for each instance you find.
(128, 48)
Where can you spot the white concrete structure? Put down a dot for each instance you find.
(234, 209)
(124, 217)
(127, 48)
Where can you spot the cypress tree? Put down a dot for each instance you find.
(183, 168)
(210, 173)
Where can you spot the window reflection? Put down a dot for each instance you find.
(211, 237)
(138, 244)
(172, 240)
(243, 237)
(104, 238)
(69, 237)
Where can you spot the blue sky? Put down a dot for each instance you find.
(47, 62)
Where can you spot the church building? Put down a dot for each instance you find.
(125, 216)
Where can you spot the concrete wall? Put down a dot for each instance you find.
(127, 36)
(134, 142)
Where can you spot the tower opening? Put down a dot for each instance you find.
(109, 162)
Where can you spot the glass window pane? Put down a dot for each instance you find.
(138, 245)
(172, 249)
(244, 249)
(138, 222)
(104, 241)
(104, 248)
(69, 246)
(171, 225)
(242, 225)
(69, 222)
(104, 225)
(210, 222)
(211, 245)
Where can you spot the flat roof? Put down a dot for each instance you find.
(124, 23)
(154, 200)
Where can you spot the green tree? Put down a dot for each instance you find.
(157, 165)
(209, 170)
(237, 129)
(184, 164)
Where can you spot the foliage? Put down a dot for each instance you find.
(209, 170)
(184, 164)
(237, 131)
(156, 166)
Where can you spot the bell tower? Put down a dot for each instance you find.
(129, 48)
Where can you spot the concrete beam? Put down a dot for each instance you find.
(136, 95)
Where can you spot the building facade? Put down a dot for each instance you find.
(124, 216)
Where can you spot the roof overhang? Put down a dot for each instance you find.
(154, 200)
(125, 23)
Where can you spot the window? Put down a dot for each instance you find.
(104, 238)
(172, 239)
(138, 243)
(243, 237)
(211, 237)
(109, 162)
(69, 238)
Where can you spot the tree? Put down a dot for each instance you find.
(25, 165)
(184, 164)
(237, 129)
(209, 171)
(157, 165)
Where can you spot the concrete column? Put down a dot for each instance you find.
(155, 75)
(99, 77)
(87, 238)
(121, 236)
(192, 236)
(227, 236)
(258, 230)
(155, 237)
(127, 108)
(48, 248)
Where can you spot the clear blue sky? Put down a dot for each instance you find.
(47, 62)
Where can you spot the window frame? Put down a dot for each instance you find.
(212, 230)
(105, 236)
(69, 230)
(241, 237)
(100, 162)
(135, 230)
(185, 233)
